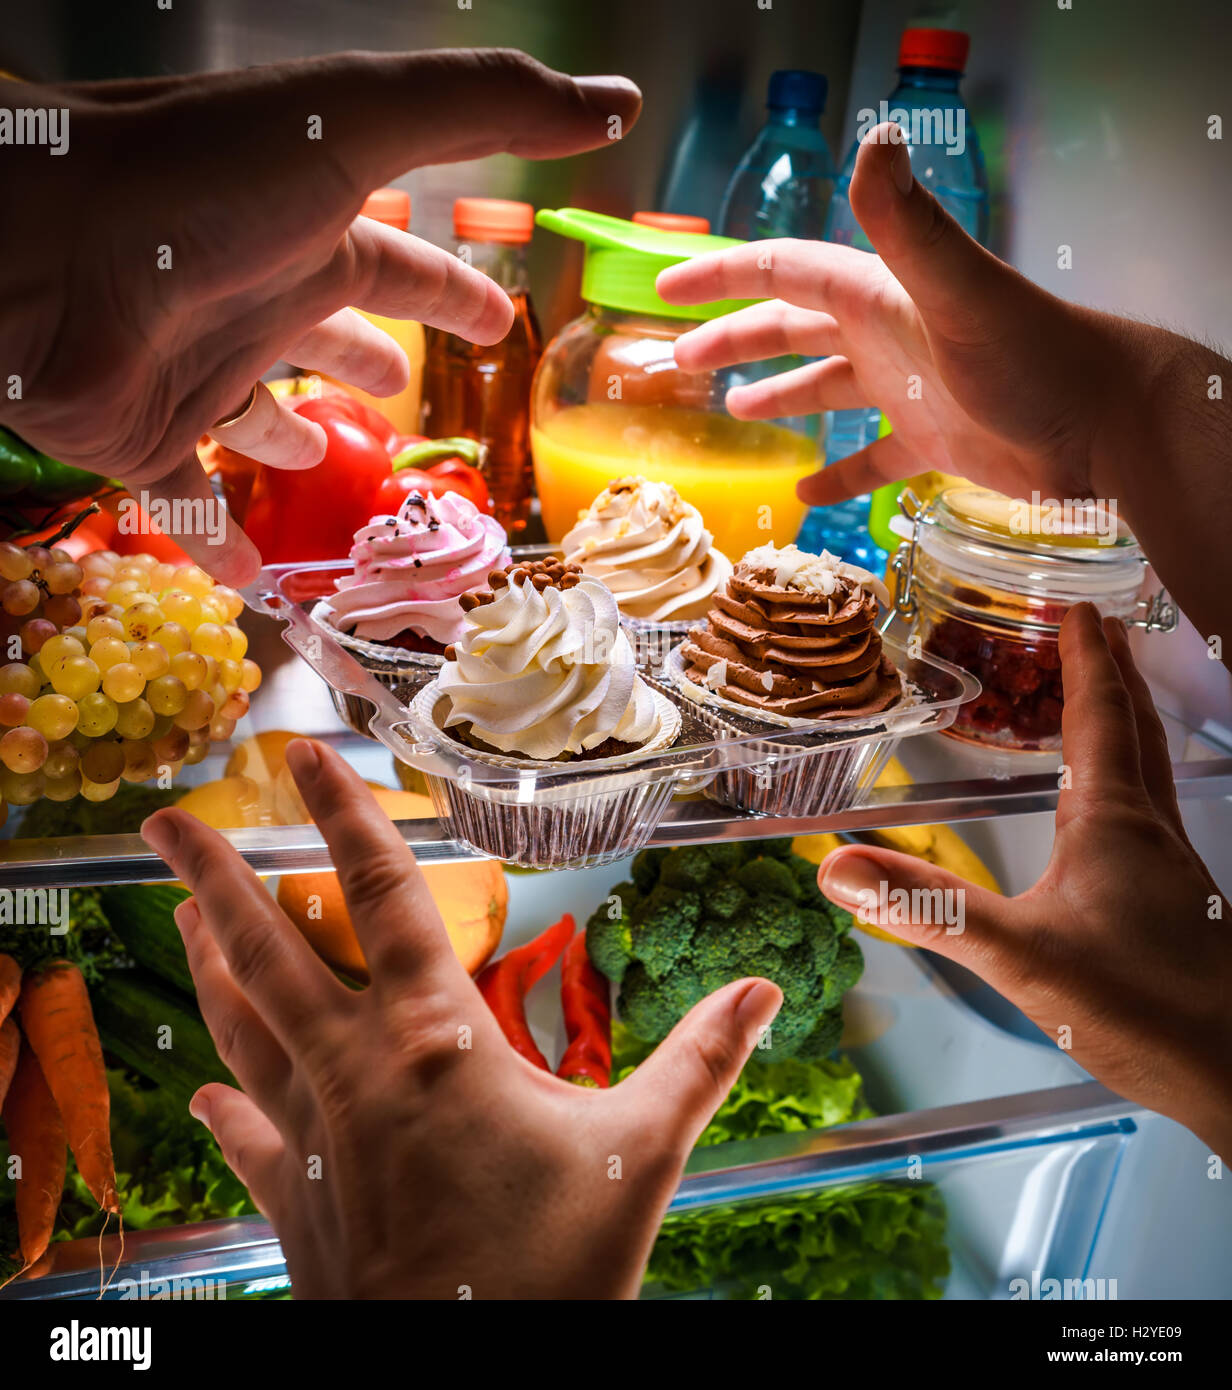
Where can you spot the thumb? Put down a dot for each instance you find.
(677, 1089)
(926, 906)
(948, 274)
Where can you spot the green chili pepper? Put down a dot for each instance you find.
(29, 476)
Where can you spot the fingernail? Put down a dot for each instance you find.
(604, 92)
(199, 1110)
(162, 834)
(848, 878)
(900, 169)
(759, 1004)
(304, 759)
(187, 917)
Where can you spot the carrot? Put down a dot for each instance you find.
(59, 1023)
(10, 985)
(10, 1045)
(36, 1136)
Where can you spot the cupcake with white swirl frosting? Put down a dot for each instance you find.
(652, 550)
(542, 676)
(544, 671)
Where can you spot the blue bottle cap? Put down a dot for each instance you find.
(794, 87)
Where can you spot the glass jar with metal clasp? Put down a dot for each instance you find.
(984, 581)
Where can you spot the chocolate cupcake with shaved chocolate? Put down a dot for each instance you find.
(795, 635)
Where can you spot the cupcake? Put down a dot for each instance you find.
(652, 550)
(412, 569)
(792, 642)
(543, 675)
(795, 635)
(401, 607)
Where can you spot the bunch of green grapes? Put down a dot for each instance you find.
(125, 667)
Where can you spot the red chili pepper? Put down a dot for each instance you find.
(506, 983)
(585, 997)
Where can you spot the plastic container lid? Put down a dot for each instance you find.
(493, 219)
(673, 222)
(389, 205)
(623, 259)
(1068, 555)
(794, 87)
(934, 48)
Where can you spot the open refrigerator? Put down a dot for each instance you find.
(1040, 1171)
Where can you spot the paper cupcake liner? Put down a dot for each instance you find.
(390, 665)
(796, 782)
(612, 813)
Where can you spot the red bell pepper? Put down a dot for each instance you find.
(434, 467)
(586, 999)
(506, 982)
(313, 514)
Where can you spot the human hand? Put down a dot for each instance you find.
(444, 1159)
(982, 373)
(124, 364)
(1124, 941)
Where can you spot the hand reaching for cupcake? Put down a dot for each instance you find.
(224, 236)
(1125, 940)
(982, 374)
(419, 1115)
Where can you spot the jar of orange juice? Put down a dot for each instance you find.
(608, 400)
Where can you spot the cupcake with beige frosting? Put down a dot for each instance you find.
(651, 549)
(544, 671)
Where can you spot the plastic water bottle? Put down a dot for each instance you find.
(782, 187)
(783, 184)
(946, 159)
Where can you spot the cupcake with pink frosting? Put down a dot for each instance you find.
(401, 604)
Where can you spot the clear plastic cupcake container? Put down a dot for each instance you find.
(580, 812)
(606, 810)
(391, 666)
(801, 768)
(652, 643)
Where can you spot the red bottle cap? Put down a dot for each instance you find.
(389, 205)
(934, 48)
(673, 222)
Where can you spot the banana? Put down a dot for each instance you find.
(935, 844)
(938, 844)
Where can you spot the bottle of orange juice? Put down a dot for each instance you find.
(393, 207)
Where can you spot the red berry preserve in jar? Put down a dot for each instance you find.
(985, 581)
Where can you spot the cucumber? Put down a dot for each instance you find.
(140, 915)
(156, 1031)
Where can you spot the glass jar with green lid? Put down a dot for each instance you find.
(985, 580)
(608, 400)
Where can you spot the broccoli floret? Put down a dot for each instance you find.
(609, 937)
(646, 868)
(726, 899)
(776, 849)
(824, 1038)
(804, 871)
(695, 919)
(646, 1009)
(693, 867)
(845, 972)
(770, 877)
(663, 924)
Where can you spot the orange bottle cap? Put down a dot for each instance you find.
(493, 219)
(389, 205)
(673, 221)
